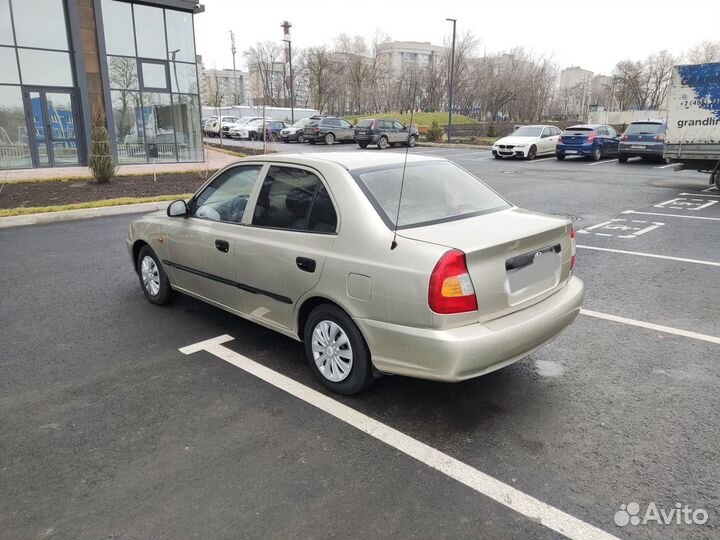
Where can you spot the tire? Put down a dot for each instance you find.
(363, 145)
(329, 138)
(312, 141)
(596, 154)
(412, 141)
(559, 157)
(532, 153)
(382, 143)
(622, 158)
(153, 279)
(300, 139)
(715, 179)
(497, 156)
(326, 324)
(273, 137)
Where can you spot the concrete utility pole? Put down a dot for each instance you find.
(235, 81)
(286, 26)
(452, 81)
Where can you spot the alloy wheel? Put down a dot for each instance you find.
(150, 275)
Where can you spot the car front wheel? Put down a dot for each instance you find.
(300, 139)
(532, 152)
(153, 280)
(336, 351)
(412, 141)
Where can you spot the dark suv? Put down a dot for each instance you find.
(384, 133)
(328, 130)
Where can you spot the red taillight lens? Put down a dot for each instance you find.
(591, 137)
(660, 137)
(317, 130)
(451, 289)
(573, 248)
(374, 124)
(625, 137)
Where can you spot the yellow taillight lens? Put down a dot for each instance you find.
(456, 286)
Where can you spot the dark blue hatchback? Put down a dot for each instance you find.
(594, 141)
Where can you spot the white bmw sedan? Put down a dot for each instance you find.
(528, 142)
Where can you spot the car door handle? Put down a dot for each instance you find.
(222, 245)
(305, 264)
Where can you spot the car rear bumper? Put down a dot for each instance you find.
(585, 150)
(369, 139)
(473, 350)
(631, 148)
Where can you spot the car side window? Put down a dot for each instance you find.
(225, 198)
(287, 197)
(398, 125)
(545, 133)
(602, 131)
(612, 132)
(556, 131)
(345, 124)
(333, 122)
(384, 124)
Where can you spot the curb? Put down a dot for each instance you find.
(84, 213)
(444, 145)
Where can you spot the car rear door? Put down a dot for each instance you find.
(201, 248)
(284, 247)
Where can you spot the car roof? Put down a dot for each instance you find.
(352, 160)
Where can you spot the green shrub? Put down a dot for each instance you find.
(491, 131)
(435, 132)
(101, 162)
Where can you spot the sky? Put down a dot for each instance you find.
(594, 36)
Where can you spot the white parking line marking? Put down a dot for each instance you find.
(664, 166)
(620, 225)
(701, 194)
(711, 188)
(651, 255)
(508, 496)
(475, 153)
(684, 203)
(669, 215)
(652, 326)
(603, 162)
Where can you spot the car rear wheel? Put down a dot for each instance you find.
(300, 138)
(560, 157)
(336, 351)
(329, 138)
(532, 152)
(622, 158)
(382, 143)
(273, 137)
(153, 280)
(596, 154)
(362, 145)
(412, 141)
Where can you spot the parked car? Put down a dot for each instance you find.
(295, 132)
(227, 123)
(206, 125)
(384, 133)
(594, 141)
(329, 129)
(643, 138)
(527, 142)
(240, 127)
(250, 129)
(302, 245)
(272, 130)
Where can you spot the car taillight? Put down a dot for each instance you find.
(374, 124)
(573, 248)
(317, 130)
(660, 137)
(591, 137)
(451, 289)
(625, 137)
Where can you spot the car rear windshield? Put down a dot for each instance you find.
(648, 128)
(527, 131)
(364, 124)
(432, 192)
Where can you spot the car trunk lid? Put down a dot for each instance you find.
(576, 137)
(515, 257)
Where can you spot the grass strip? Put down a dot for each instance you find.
(22, 211)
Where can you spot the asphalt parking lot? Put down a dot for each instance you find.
(109, 431)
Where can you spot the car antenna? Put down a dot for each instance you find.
(393, 245)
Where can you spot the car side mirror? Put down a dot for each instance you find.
(177, 209)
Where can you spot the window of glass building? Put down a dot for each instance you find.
(14, 147)
(6, 32)
(8, 66)
(40, 24)
(154, 85)
(45, 68)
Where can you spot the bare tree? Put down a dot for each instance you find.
(322, 76)
(704, 52)
(267, 71)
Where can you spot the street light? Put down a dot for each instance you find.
(286, 38)
(452, 81)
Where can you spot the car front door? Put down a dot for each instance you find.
(201, 248)
(347, 129)
(401, 132)
(282, 252)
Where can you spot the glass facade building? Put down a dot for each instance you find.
(64, 63)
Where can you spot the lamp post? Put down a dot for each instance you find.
(286, 38)
(452, 81)
(235, 80)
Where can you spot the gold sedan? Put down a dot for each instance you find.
(452, 283)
